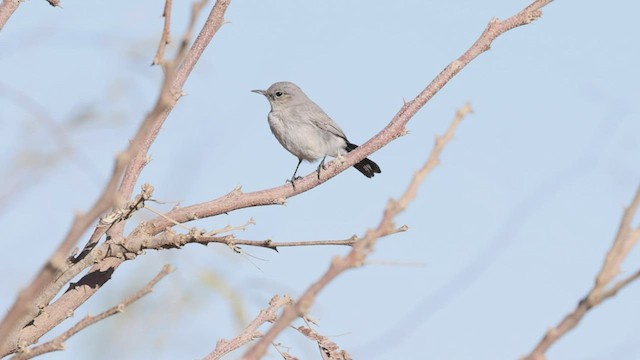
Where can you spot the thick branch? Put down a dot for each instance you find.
(24, 309)
(57, 344)
(153, 123)
(7, 8)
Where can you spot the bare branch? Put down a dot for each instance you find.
(620, 285)
(165, 39)
(397, 127)
(196, 8)
(328, 349)
(170, 94)
(171, 240)
(361, 249)
(624, 242)
(25, 310)
(230, 228)
(57, 344)
(7, 8)
(251, 332)
(137, 156)
(53, 314)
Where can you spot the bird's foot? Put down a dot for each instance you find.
(321, 166)
(293, 181)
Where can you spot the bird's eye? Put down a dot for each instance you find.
(279, 93)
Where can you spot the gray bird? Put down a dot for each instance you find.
(305, 130)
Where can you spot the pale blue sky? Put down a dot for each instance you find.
(510, 229)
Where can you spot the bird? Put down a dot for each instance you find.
(306, 131)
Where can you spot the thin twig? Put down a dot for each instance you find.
(275, 244)
(196, 8)
(620, 285)
(230, 228)
(626, 238)
(170, 240)
(57, 343)
(251, 332)
(169, 219)
(361, 249)
(328, 348)
(165, 39)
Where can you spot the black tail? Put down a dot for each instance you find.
(367, 167)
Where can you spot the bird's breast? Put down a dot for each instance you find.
(302, 137)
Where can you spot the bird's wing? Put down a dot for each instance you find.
(320, 119)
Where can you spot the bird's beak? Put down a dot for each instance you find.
(261, 92)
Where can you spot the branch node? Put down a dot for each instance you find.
(533, 16)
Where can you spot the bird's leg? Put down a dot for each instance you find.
(321, 166)
(294, 178)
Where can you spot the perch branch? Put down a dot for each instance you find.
(361, 249)
(237, 199)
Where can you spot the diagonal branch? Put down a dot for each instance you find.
(23, 309)
(361, 249)
(57, 344)
(624, 242)
(237, 199)
(165, 39)
(7, 8)
(251, 332)
(328, 349)
(153, 123)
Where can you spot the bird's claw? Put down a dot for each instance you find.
(293, 180)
